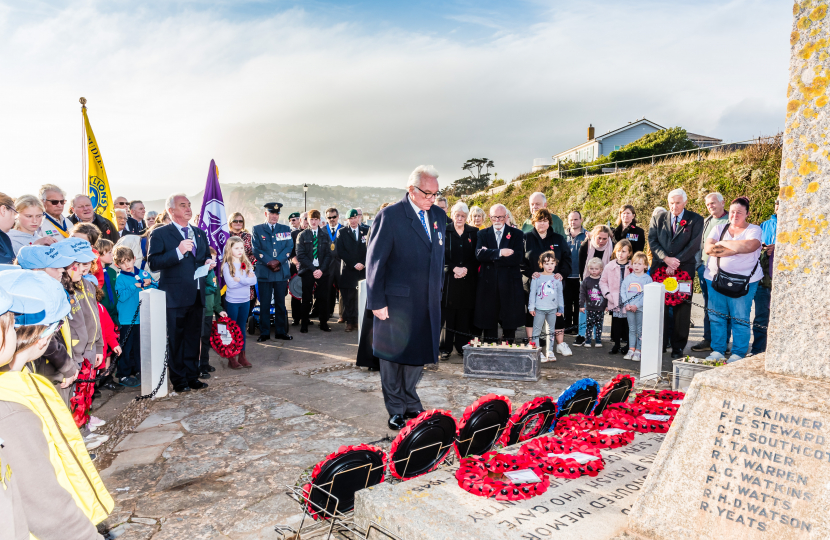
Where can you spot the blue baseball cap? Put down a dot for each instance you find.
(78, 249)
(45, 293)
(36, 257)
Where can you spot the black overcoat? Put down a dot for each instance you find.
(351, 251)
(500, 277)
(404, 272)
(633, 234)
(460, 250)
(303, 248)
(535, 245)
(682, 244)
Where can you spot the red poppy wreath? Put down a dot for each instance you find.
(490, 432)
(642, 419)
(221, 344)
(532, 419)
(597, 431)
(663, 395)
(564, 458)
(676, 298)
(484, 476)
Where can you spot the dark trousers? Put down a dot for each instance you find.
(204, 352)
(619, 330)
(680, 323)
(321, 296)
(296, 309)
(571, 294)
(398, 382)
(492, 334)
(239, 314)
(333, 287)
(455, 319)
(277, 290)
(348, 304)
(759, 335)
(184, 331)
(129, 363)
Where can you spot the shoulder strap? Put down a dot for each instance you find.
(722, 234)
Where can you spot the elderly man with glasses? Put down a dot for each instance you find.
(332, 227)
(500, 296)
(85, 213)
(54, 225)
(404, 276)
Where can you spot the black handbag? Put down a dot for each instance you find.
(731, 285)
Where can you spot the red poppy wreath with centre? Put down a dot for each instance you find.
(484, 476)
(648, 418)
(224, 346)
(663, 395)
(597, 431)
(676, 298)
(564, 458)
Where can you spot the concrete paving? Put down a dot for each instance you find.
(214, 464)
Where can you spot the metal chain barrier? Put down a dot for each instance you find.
(161, 378)
(725, 316)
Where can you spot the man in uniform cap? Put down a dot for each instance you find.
(351, 247)
(272, 247)
(294, 220)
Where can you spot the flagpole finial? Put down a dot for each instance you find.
(83, 102)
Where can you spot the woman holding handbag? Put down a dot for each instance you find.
(732, 276)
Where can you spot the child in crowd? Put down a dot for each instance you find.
(90, 233)
(631, 298)
(546, 301)
(128, 284)
(592, 303)
(108, 297)
(213, 305)
(610, 284)
(238, 276)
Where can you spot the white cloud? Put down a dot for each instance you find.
(288, 99)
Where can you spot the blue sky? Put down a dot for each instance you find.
(359, 93)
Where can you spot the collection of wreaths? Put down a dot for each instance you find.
(571, 450)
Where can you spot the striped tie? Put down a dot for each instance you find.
(314, 249)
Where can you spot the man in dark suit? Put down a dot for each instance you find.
(135, 221)
(272, 247)
(351, 248)
(177, 250)
(500, 296)
(313, 250)
(404, 274)
(85, 213)
(674, 242)
(332, 227)
(296, 305)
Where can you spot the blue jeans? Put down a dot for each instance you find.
(239, 313)
(759, 335)
(739, 308)
(583, 323)
(707, 333)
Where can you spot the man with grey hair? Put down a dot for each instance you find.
(538, 201)
(717, 216)
(54, 225)
(500, 295)
(121, 221)
(177, 250)
(85, 213)
(674, 240)
(442, 203)
(404, 275)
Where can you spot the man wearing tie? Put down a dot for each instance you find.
(272, 247)
(351, 248)
(404, 276)
(313, 250)
(294, 219)
(332, 227)
(177, 250)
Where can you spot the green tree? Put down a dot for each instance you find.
(655, 143)
(476, 181)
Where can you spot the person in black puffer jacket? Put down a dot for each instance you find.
(627, 229)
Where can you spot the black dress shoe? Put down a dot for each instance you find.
(197, 385)
(374, 369)
(286, 337)
(615, 349)
(624, 349)
(325, 327)
(445, 355)
(295, 323)
(396, 422)
(263, 337)
(410, 415)
(180, 389)
(209, 368)
(675, 355)
(204, 375)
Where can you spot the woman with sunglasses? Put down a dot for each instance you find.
(237, 227)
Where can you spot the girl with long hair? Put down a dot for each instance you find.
(239, 277)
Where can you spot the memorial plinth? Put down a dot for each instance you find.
(513, 364)
(434, 507)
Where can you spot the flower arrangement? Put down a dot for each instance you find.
(562, 464)
(483, 475)
(703, 361)
(672, 298)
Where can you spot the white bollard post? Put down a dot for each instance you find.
(654, 304)
(361, 305)
(153, 340)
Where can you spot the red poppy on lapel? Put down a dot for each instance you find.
(682, 222)
(108, 231)
(469, 240)
(508, 236)
(551, 248)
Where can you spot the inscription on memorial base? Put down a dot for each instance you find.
(434, 507)
(747, 457)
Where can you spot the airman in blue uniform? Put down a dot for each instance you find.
(272, 246)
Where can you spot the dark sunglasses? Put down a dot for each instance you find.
(122, 203)
(238, 221)
(56, 201)
(332, 217)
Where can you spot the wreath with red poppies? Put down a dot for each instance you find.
(404, 433)
(663, 395)
(532, 425)
(468, 412)
(81, 402)
(306, 489)
(560, 464)
(484, 476)
(237, 338)
(676, 298)
(632, 415)
(589, 429)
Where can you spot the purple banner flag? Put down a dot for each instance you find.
(213, 219)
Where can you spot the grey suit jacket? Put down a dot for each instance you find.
(683, 244)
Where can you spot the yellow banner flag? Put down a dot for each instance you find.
(97, 185)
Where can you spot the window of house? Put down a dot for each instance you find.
(616, 147)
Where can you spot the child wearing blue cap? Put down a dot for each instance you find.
(129, 283)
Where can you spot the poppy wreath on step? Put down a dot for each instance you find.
(676, 298)
(401, 440)
(663, 395)
(589, 429)
(237, 338)
(633, 417)
(474, 476)
(468, 414)
(533, 418)
(561, 466)
(649, 407)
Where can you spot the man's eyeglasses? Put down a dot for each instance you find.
(238, 221)
(498, 218)
(427, 194)
(56, 201)
(122, 203)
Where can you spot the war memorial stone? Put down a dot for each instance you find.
(748, 455)
(515, 364)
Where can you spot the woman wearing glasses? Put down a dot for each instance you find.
(237, 227)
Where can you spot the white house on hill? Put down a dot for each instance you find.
(606, 143)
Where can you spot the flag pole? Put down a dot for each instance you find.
(84, 189)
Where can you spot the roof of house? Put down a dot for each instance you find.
(696, 137)
(613, 132)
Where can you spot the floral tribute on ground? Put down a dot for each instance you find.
(564, 458)
(597, 431)
(484, 476)
(674, 298)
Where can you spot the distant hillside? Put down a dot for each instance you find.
(249, 198)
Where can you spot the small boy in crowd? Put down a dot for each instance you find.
(213, 305)
(130, 282)
(108, 299)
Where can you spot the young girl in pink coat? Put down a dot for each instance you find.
(610, 284)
